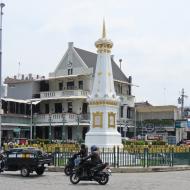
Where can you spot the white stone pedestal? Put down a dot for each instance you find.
(103, 140)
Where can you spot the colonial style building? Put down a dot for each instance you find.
(56, 107)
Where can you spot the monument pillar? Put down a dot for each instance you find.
(103, 102)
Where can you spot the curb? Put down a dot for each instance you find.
(132, 170)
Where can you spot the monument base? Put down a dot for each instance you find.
(103, 139)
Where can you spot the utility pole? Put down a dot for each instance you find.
(181, 101)
(1, 15)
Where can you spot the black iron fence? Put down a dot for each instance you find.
(122, 158)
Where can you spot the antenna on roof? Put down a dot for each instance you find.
(18, 69)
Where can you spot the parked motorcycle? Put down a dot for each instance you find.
(100, 173)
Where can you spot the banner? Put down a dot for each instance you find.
(181, 123)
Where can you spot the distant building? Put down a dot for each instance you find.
(156, 121)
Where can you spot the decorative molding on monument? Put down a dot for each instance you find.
(97, 119)
(111, 119)
(103, 102)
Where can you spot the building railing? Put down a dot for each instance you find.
(63, 93)
(61, 118)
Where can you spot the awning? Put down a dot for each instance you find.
(28, 101)
(14, 100)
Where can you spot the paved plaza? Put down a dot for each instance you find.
(118, 181)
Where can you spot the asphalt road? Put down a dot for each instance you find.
(179, 180)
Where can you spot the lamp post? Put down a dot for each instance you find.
(63, 129)
(31, 121)
(35, 116)
(50, 136)
(135, 124)
(181, 101)
(1, 16)
(78, 123)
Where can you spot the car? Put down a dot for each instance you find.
(26, 160)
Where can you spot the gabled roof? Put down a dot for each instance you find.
(90, 58)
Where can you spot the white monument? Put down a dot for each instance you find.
(103, 102)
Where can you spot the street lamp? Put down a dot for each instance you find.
(78, 123)
(35, 117)
(1, 16)
(50, 137)
(135, 124)
(63, 127)
(31, 121)
(181, 101)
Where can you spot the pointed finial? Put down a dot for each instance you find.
(104, 30)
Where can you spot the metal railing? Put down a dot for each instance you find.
(117, 157)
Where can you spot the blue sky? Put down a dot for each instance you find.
(151, 36)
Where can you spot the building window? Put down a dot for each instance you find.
(70, 107)
(128, 112)
(60, 85)
(80, 84)
(69, 133)
(120, 90)
(58, 108)
(70, 71)
(70, 85)
(121, 111)
(84, 131)
(46, 108)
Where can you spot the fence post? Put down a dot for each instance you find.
(55, 158)
(117, 156)
(172, 157)
(114, 164)
(57, 153)
(145, 157)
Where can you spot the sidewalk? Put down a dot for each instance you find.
(134, 169)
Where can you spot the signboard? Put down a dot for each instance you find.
(149, 127)
(188, 123)
(181, 124)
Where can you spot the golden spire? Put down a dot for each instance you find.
(104, 30)
(103, 44)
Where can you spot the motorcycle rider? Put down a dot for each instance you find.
(83, 151)
(94, 157)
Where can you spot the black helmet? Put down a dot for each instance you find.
(82, 146)
(93, 148)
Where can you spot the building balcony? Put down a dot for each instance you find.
(15, 120)
(61, 118)
(64, 93)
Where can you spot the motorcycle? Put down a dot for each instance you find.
(70, 165)
(100, 173)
